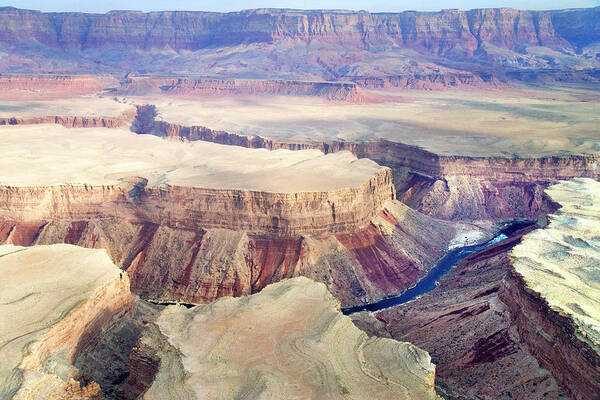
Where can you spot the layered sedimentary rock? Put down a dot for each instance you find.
(54, 301)
(198, 265)
(553, 291)
(288, 341)
(447, 187)
(469, 332)
(203, 87)
(52, 86)
(272, 42)
(196, 221)
(89, 172)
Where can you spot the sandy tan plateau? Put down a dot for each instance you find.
(561, 261)
(532, 121)
(289, 341)
(97, 156)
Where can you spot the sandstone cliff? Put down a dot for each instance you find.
(552, 290)
(198, 265)
(90, 172)
(206, 223)
(289, 341)
(483, 43)
(447, 187)
(55, 301)
(203, 87)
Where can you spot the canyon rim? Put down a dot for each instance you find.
(279, 203)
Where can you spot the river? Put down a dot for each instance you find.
(443, 266)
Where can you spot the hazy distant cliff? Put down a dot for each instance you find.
(436, 32)
(451, 34)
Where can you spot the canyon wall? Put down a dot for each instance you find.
(421, 50)
(188, 207)
(390, 253)
(447, 187)
(469, 332)
(435, 32)
(200, 87)
(552, 288)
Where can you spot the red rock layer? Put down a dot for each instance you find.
(447, 187)
(187, 207)
(52, 85)
(469, 333)
(437, 81)
(433, 32)
(199, 265)
(123, 120)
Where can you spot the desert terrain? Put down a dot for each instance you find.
(201, 205)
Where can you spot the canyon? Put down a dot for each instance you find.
(506, 319)
(430, 50)
(188, 201)
(75, 294)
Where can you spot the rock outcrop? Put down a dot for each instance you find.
(469, 332)
(288, 341)
(483, 43)
(55, 300)
(204, 87)
(186, 186)
(553, 291)
(386, 256)
(447, 187)
(179, 241)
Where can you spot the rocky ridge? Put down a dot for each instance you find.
(448, 48)
(552, 290)
(76, 294)
(288, 341)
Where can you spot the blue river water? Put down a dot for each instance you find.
(443, 266)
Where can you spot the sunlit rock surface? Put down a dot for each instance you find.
(100, 156)
(554, 290)
(289, 341)
(116, 173)
(53, 301)
(562, 261)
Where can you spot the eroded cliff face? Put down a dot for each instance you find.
(390, 253)
(435, 32)
(469, 332)
(552, 289)
(189, 208)
(57, 299)
(446, 187)
(203, 87)
(288, 341)
(483, 43)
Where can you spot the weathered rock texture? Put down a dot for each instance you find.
(289, 341)
(98, 172)
(553, 289)
(196, 244)
(447, 187)
(391, 47)
(54, 301)
(389, 254)
(203, 87)
(469, 332)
